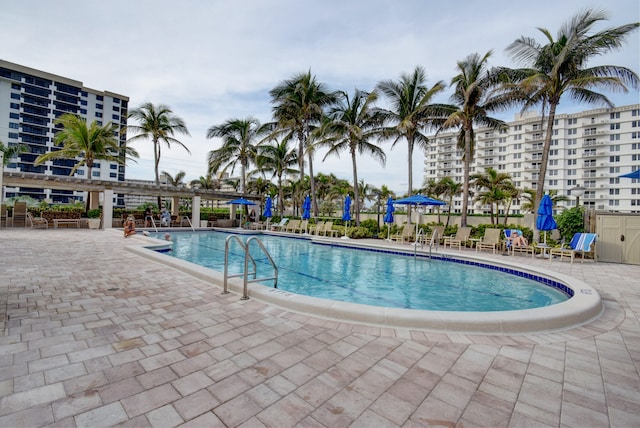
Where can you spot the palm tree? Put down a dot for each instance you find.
(277, 159)
(350, 126)
(298, 109)
(176, 181)
(410, 112)
(89, 143)
(158, 124)
(529, 197)
(474, 99)
(494, 187)
(10, 152)
(239, 146)
(559, 67)
(450, 189)
(206, 182)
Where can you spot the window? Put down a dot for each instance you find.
(553, 162)
(13, 135)
(553, 182)
(571, 183)
(517, 146)
(572, 141)
(517, 128)
(83, 111)
(635, 123)
(614, 158)
(614, 116)
(614, 202)
(614, 137)
(517, 137)
(99, 98)
(116, 100)
(590, 131)
(99, 106)
(15, 106)
(571, 152)
(614, 148)
(553, 152)
(614, 170)
(572, 131)
(614, 180)
(95, 173)
(15, 96)
(83, 102)
(572, 121)
(572, 162)
(99, 122)
(614, 126)
(14, 116)
(13, 125)
(635, 112)
(614, 191)
(115, 117)
(116, 108)
(98, 114)
(635, 135)
(517, 155)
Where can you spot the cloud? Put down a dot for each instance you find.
(215, 60)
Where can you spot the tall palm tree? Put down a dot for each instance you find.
(450, 189)
(279, 160)
(11, 152)
(89, 143)
(240, 138)
(158, 124)
(559, 67)
(529, 198)
(409, 114)
(350, 126)
(474, 99)
(298, 109)
(175, 181)
(493, 187)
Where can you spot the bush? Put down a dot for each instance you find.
(570, 222)
(359, 233)
(371, 225)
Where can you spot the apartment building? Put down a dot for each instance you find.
(30, 101)
(589, 150)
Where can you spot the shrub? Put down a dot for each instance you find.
(359, 233)
(570, 222)
(371, 225)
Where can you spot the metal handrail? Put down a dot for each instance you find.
(189, 221)
(415, 242)
(227, 242)
(245, 289)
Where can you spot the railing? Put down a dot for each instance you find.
(246, 272)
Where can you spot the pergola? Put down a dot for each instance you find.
(109, 188)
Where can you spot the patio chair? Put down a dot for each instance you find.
(37, 222)
(461, 236)
(291, 226)
(314, 229)
(407, 234)
(434, 237)
(490, 240)
(513, 249)
(302, 227)
(20, 214)
(582, 243)
(328, 229)
(280, 226)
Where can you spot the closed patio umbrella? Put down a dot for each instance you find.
(268, 205)
(346, 215)
(388, 216)
(306, 209)
(545, 220)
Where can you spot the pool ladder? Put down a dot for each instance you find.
(247, 258)
(433, 240)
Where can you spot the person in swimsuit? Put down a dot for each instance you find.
(129, 227)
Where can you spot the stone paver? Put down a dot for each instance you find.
(96, 336)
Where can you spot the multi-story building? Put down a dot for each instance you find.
(589, 150)
(30, 101)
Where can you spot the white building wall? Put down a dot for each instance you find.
(590, 149)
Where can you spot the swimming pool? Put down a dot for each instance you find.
(375, 278)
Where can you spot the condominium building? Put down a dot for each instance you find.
(30, 101)
(589, 150)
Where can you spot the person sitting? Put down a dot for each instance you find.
(148, 217)
(165, 218)
(129, 226)
(518, 240)
(252, 216)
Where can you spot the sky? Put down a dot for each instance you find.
(214, 60)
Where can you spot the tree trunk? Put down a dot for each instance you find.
(356, 191)
(410, 162)
(545, 160)
(465, 184)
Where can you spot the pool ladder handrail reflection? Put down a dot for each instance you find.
(247, 257)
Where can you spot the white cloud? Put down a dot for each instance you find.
(215, 60)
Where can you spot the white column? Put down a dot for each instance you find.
(195, 211)
(107, 209)
(1, 173)
(175, 205)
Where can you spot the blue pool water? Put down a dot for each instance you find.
(371, 277)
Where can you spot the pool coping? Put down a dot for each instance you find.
(585, 306)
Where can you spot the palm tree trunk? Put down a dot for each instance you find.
(465, 184)
(410, 162)
(356, 190)
(312, 181)
(545, 154)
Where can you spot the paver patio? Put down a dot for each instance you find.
(97, 336)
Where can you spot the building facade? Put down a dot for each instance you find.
(30, 101)
(589, 150)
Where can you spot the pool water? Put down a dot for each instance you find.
(368, 277)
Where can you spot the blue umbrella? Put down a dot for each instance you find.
(388, 216)
(346, 214)
(545, 220)
(241, 201)
(633, 174)
(267, 210)
(306, 208)
(419, 200)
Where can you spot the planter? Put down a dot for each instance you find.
(204, 223)
(93, 223)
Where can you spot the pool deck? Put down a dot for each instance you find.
(95, 335)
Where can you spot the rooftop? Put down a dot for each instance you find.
(95, 335)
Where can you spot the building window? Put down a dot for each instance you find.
(614, 137)
(614, 203)
(572, 131)
(99, 98)
(614, 148)
(98, 114)
(614, 116)
(614, 158)
(115, 117)
(99, 106)
(14, 116)
(83, 111)
(13, 125)
(15, 96)
(15, 106)
(13, 135)
(83, 102)
(572, 121)
(614, 126)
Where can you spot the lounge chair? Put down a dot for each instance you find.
(583, 243)
(292, 226)
(37, 222)
(406, 235)
(20, 214)
(279, 227)
(314, 229)
(328, 229)
(461, 236)
(302, 227)
(513, 249)
(490, 240)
